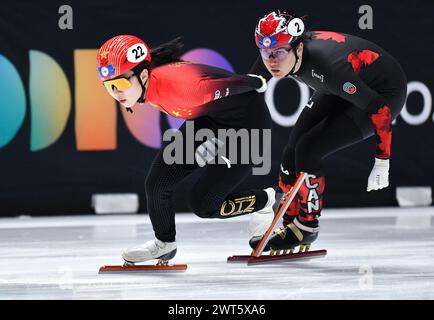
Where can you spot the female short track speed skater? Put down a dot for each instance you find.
(359, 89)
(132, 74)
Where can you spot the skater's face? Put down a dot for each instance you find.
(126, 88)
(280, 61)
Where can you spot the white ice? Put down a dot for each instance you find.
(373, 253)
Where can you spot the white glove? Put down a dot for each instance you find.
(263, 88)
(379, 177)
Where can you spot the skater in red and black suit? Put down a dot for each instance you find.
(359, 89)
(212, 99)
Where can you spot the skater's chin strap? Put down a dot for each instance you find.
(142, 97)
(137, 71)
(294, 48)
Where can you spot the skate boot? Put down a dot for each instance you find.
(261, 220)
(289, 215)
(294, 234)
(303, 229)
(153, 249)
(297, 233)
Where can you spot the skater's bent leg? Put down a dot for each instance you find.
(162, 180)
(213, 195)
(305, 122)
(160, 184)
(329, 136)
(334, 133)
(287, 172)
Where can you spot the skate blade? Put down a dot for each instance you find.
(276, 257)
(286, 257)
(143, 268)
(245, 258)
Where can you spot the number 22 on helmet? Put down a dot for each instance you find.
(119, 55)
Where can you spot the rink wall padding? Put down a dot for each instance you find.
(62, 139)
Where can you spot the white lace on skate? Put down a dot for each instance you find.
(152, 249)
(261, 220)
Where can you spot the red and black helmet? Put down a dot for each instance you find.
(278, 28)
(121, 54)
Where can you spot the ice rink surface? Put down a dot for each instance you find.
(374, 253)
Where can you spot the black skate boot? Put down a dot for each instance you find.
(294, 234)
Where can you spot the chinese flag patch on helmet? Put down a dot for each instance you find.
(120, 54)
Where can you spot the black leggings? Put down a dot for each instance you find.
(331, 124)
(213, 195)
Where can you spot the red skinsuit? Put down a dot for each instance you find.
(186, 90)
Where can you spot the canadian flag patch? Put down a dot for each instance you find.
(349, 88)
